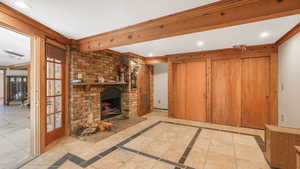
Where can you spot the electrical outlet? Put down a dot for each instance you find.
(282, 87)
(282, 118)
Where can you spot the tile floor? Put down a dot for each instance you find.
(161, 143)
(14, 136)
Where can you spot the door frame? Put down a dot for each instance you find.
(33, 73)
(57, 133)
(37, 84)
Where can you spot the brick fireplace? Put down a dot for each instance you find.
(110, 100)
(87, 102)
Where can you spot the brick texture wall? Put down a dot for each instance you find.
(85, 104)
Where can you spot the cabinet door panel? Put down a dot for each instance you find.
(196, 91)
(226, 92)
(180, 90)
(255, 92)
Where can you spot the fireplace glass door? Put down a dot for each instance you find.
(55, 64)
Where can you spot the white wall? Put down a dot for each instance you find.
(289, 83)
(1, 84)
(160, 86)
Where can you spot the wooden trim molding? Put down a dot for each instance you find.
(251, 51)
(220, 14)
(289, 35)
(57, 44)
(13, 19)
(297, 149)
(67, 93)
(24, 66)
(170, 89)
(133, 55)
(113, 52)
(156, 60)
(274, 87)
(39, 44)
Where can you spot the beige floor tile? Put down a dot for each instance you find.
(114, 160)
(139, 143)
(157, 148)
(162, 165)
(222, 146)
(212, 149)
(201, 144)
(245, 164)
(196, 159)
(69, 165)
(244, 139)
(173, 154)
(139, 162)
(249, 153)
(219, 161)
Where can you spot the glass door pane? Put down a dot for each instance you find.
(54, 95)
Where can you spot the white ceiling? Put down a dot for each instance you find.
(15, 42)
(247, 34)
(77, 19)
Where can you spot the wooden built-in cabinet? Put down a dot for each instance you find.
(256, 92)
(280, 146)
(190, 90)
(226, 91)
(228, 87)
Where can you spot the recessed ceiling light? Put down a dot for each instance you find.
(264, 34)
(22, 5)
(150, 54)
(200, 43)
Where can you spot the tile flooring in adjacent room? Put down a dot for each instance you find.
(14, 136)
(161, 143)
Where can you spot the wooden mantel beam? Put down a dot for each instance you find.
(220, 14)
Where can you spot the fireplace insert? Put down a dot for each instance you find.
(110, 102)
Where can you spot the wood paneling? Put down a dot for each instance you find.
(180, 90)
(226, 92)
(280, 146)
(171, 89)
(256, 92)
(196, 91)
(212, 16)
(156, 60)
(252, 51)
(39, 49)
(144, 90)
(298, 156)
(228, 72)
(189, 91)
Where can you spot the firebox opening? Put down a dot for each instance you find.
(110, 103)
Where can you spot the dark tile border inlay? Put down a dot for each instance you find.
(178, 165)
(189, 148)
